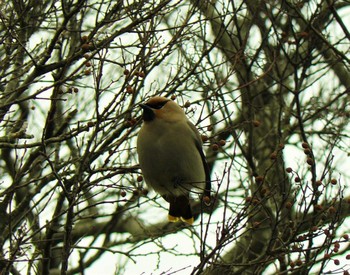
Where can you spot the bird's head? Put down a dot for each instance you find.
(161, 108)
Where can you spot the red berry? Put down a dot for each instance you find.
(310, 161)
(206, 200)
(289, 170)
(204, 138)
(305, 145)
(256, 123)
(273, 155)
(289, 205)
(187, 104)
(318, 183)
(215, 147)
(222, 142)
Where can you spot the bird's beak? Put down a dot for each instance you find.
(144, 106)
(148, 113)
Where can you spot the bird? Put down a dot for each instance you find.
(171, 158)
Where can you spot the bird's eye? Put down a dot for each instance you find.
(157, 105)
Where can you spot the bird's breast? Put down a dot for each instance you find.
(169, 159)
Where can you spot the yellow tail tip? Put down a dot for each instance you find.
(173, 219)
(189, 221)
(176, 219)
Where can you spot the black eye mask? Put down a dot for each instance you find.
(157, 105)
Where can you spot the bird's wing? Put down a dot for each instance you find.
(198, 142)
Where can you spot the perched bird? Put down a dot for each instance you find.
(170, 153)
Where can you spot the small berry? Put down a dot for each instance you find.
(139, 178)
(204, 138)
(347, 257)
(310, 161)
(281, 146)
(142, 74)
(144, 192)
(305, 145)
(126, 72)
(307, 151)
(289, 170)
(222, 142)
(318, 183)
(87, 72)
(259, 179)
(129, 89)
(85, 47)
(297, 179)
(273, 156)
(314, 228)
(326, 256)
(86, 56)
(84, 38)
(255, 201)
(336, 262)
(303, 34)
(131, 122)
(173, 97)
(248, 199)
(346, 237)
(263, 191)
(215, 147)
(187, 104)
(206, 200)
(301, 238)
(288, 205)
(88, 64)
(256, 123)
(136, 192)
(334, 181)
(332, 210)
(122, 193)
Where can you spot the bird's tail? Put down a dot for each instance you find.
(180, 209)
